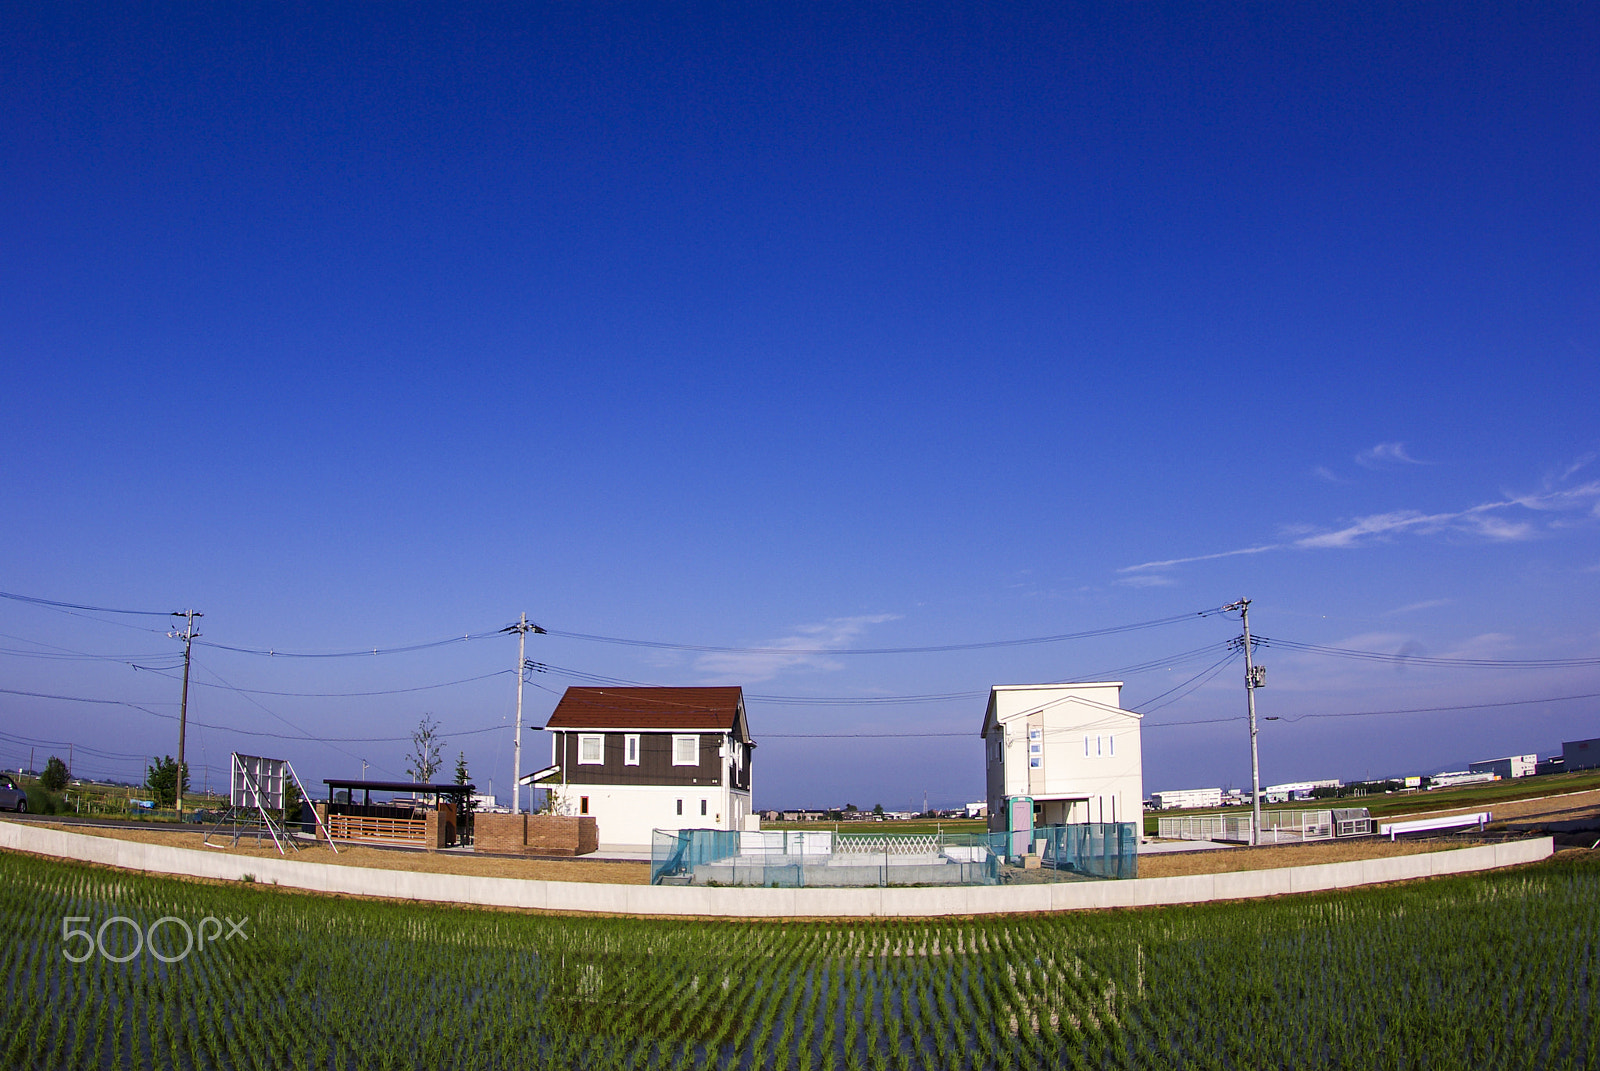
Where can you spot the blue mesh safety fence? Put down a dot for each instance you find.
(824, 858)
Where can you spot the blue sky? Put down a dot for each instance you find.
(806, 328)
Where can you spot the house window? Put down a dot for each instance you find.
(680, 806)
(631, 750)
(702, 808)
(591, 749)
(1035, 747)
(583, 804)
(686, 751)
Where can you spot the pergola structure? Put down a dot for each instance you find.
(448, 817)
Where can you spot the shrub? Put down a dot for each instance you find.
(42, 802)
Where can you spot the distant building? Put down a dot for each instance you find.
(1186, 797)
(1580, 754)
(1451, 778)
(1297, 790)
(1070, 748)
(1554, 764)
(978, 810)
(1509, 767)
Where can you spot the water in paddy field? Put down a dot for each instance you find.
(1500, 969)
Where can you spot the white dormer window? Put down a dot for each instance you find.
(686, 751)
(591, 749)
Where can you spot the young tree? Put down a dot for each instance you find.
(54, 778)
(462, 777)
(162, 780)
(291, 800)
(426, 745)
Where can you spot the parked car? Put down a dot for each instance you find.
(12, 798)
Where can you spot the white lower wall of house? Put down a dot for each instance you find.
(627, 814)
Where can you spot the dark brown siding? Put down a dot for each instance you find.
(655, 762)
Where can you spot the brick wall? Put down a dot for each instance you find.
(505, 833)
(536, 834)
(555, 834)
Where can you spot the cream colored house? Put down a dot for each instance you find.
(1070, 747)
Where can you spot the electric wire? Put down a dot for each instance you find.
(54, 604)
(307, 737)
(1188, 687)
(172, 675)
(1422, 660)
(930, 649)
(368, 652)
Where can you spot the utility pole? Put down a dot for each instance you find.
(187, 636)
(1254, 677)
(521, 628)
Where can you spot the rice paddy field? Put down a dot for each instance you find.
(106, 969)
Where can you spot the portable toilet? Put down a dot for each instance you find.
(1019, 825)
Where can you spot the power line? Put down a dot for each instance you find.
(934, 649)
(858, 736)
(1435, 710)
(333, 695)
(1406, 659)
(1386, 713)
(308, 738)
(887, 700)
(1182, 690)
(34, 600)
(272, 652)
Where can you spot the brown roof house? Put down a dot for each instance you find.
(641, 759)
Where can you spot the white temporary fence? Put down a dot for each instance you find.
(1423, 825)
(847, 849)
(1224, 827)
(1277, 827)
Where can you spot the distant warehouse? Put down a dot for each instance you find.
(1187, 797)
(1508, 767)
(1580, 754)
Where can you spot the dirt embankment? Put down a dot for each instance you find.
(1181, 864)
(487, 866)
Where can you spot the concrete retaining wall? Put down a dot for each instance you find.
(770, 903)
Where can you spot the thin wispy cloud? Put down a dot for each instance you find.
(1146, 580)
(1411, 608)
(1200, 558)
(1386, 455)
(1496, 521)
(1577, 465)
(797, 649)
(1322, 472)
